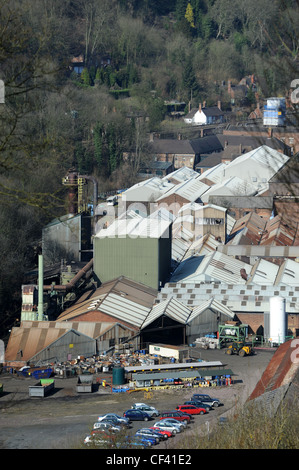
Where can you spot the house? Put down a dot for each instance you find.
(289, 134)
(183, 152)
(77, 64)
(205, 115)
(238, 92)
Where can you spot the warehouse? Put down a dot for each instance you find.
(139, 249)
(42, 344)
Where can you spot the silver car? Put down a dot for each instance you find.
(105, 426)
(116, 418)
(150, 410)
(180, 424)
(163, 424)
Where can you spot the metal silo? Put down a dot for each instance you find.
(277, 320)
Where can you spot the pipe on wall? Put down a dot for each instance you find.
(67, 287)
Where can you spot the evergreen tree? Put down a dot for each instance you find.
(180, 9)
(189, 79)
(85, 77)
(98, 145)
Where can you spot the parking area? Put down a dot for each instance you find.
(63, 419)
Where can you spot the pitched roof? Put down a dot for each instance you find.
(172, 308)
(212, 111)
(121, 298)
(191, 190)
(24, 343)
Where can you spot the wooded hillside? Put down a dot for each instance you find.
(135, 55)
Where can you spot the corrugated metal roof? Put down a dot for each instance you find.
(213, 305)
(178, 249)
(191, 190)
(230, 187)
(182, 374)
(124, 309)
(265, 156)
(263, 273)
(24, 343)
(134, 228)
(288, 273)
(129, 293)
(147, 191)
(204, 246)
(213, 267)
(263, 161)
(171, 366)
(171, 308)
(181, 174)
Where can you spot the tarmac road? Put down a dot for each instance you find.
(63, 419)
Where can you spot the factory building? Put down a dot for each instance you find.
(139, 249)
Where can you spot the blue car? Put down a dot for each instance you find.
(136, 415)
(152, 439)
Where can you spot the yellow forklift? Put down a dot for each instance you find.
(238, 347)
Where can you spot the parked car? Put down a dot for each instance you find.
(174, 428)
(115, 422)
(136, 415)
(192, 409)
(207, 399)
(116, 417)
(100, 439)
(154, 440)
(176, 415)
(150, 432)
(150, 410)
(180, 424)
(163, 431)
(198, 403)
(139, 441)
(106, 426)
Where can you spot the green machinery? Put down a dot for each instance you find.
(232, 333)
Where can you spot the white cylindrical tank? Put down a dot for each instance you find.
(278, 320)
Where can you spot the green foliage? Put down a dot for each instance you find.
(85, 77)
(180, 9)
(156, 113)
(253, 427)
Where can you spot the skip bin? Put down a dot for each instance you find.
(84, 384)
(43, 387)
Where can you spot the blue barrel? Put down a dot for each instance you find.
(118, 375)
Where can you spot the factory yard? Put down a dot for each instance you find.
(64, 418)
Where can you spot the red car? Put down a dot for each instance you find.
(191, 409)
(162, 431)
(176, 414)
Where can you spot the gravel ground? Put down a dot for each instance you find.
(62, 419)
